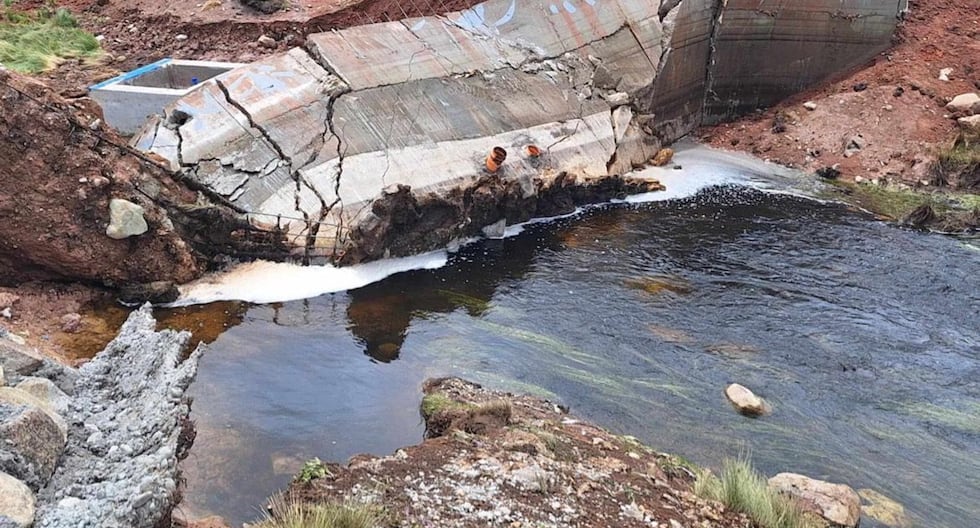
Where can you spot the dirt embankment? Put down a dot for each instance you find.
(886, 123)
(57, 179)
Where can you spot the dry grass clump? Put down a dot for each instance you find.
(286, 512)
(742, 489)
(34, 42)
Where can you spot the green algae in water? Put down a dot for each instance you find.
(966, 420)
(895, 203)
(473, 305)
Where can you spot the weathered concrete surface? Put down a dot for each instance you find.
(119, 469)
(316, 140)
(766, 52)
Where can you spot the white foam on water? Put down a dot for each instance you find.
(268, 282)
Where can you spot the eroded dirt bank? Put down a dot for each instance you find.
(61, 170)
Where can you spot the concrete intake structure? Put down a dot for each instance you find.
(373, 140)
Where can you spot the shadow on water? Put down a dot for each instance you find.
(862, 336)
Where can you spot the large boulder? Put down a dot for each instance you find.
(838, 504)
(30, 444)
(16, 503)
(745, 401)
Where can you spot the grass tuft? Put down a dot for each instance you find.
(742, 489)
(286, 512)
(32, 43)
(437, 402)
(960, 158)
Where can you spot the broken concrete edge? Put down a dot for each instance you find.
(128, 427)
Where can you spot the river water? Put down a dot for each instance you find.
(864, 337)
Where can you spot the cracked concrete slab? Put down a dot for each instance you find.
(329, 142)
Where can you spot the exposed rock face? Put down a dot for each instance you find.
(30, 443)
(837, 503)
(745, 401)
(125, 219)
(16, 503)
(119, 469)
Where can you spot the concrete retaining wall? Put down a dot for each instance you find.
(310, 139)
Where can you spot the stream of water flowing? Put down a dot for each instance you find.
(863, 336)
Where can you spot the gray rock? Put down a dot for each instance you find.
(125, 219)
(30, 443)
(14, 396)
(810, 105)
(124, 397)
(16, 503)
(46, 392)
(17, 359)
(3, 377)
(837, 503)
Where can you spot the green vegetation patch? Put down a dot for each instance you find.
(741, 488)
(290, 513)
(35, 42)
(438, 402)
(312, 470)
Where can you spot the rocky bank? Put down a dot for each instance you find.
(97, 446)
(498, 459)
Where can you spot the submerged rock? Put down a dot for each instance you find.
(839, 504)
(16, 503)
(745, 401)
(883, 509)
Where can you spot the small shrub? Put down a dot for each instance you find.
(287, 512)
(312, 469)
(742, 489)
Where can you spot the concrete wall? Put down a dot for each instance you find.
(766, 51)
(312, 138)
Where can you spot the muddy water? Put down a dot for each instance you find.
(864, 338)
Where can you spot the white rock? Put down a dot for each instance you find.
(16, 501)
(968, 102)
(3, 379)
(945, 73)
(125, 219)
(810, 105)
(745, 400)
(972, 122)
(836, 503)
(267, 42)
(181, 37)
(618, 98)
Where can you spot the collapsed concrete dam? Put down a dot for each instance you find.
(394, 138)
